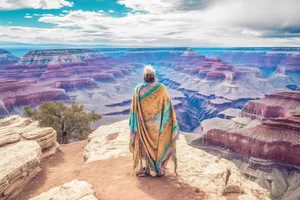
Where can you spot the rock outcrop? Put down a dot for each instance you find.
(74, 190)
(217, 177)
(266, 134)
(19, 163)
(273, 106)
(22, 146)
(229, 113)
(15, 128)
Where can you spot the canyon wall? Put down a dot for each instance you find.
(266, 133)
(101, 81)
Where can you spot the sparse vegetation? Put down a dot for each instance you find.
(71, 123)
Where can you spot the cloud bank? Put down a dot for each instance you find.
(171, 23)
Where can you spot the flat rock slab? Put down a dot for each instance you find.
(18, 162)
(216, 177)
(108, 142)
(74, 190)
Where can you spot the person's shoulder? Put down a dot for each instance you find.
(161, 85)
(138, 87)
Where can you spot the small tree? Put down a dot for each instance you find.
(70, 123)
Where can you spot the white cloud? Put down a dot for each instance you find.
(183, 23)
(36, 4)
(111, 11)
(163, 6)
(28, 16)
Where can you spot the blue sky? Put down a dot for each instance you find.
(17, 17)
(201, 23)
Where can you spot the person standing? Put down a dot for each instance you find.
(153, 127)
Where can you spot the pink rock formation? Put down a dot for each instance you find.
(215, 76)
(39, 74)
(25, 93)
(273, 106)
(275, 138)
(58, 72)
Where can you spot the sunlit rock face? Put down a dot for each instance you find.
(23, 144)
(266, 133)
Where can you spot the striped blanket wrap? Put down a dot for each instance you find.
(153, 127)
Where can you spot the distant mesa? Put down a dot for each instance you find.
(7, 58)
(58, 57)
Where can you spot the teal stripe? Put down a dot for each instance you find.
(150, 91)
(133, 121)
(162, 158)
(175, 127)
(166, 116)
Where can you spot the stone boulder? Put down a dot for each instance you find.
(217, 177)
(74, 190)
(22, 146)
(19, 163)
(15, 128)
(108, 142)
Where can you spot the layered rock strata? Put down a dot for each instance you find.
(19, 163)
(15, 129)
(22, 146)
(266, 134)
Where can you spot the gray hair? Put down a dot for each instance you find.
(149, 74)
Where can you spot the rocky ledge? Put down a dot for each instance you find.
(273, 106)
(22, 146)
(218, 178)
(266, 135)
(74, 190)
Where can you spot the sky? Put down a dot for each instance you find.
(147, 23)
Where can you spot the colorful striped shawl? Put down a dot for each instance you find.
(153, 126)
